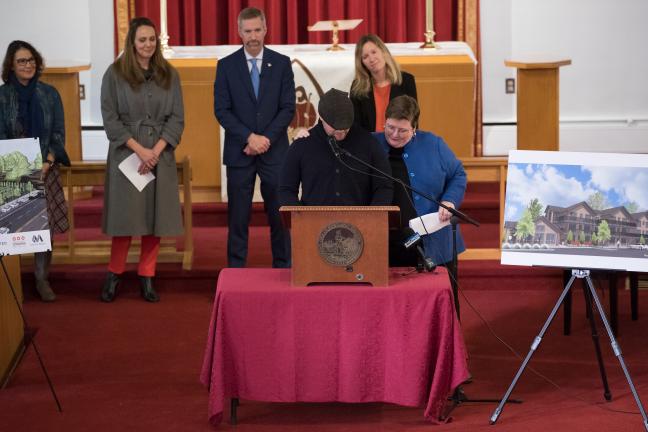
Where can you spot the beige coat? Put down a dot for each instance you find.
(145, 115)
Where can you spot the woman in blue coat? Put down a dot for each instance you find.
(426, 163)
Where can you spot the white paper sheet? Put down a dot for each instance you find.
(431, 221)
(129, 167)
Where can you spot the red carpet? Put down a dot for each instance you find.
(134, 366)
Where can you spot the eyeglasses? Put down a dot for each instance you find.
(25, 61)
(390, 129)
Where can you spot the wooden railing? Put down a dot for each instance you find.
(83, 174)
(487, 169)
(74, 251)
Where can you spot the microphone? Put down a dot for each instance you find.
(413, 240)
(334, 146)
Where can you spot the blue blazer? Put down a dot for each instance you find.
(240, 113)
(435, 171)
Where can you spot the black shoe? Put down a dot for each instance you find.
(109, 290)
(147, 290)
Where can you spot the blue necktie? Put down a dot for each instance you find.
(254, 75)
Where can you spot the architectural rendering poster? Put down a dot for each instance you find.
(576, 210)
(24, 226)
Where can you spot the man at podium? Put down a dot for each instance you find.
(329, 177)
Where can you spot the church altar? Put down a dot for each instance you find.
(445, 80)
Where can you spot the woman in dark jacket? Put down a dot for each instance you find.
(30, 108)
(378, 80)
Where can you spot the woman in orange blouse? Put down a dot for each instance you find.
(378, 79)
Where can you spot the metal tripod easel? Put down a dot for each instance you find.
(589, 295)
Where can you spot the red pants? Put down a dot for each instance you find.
(148, 255)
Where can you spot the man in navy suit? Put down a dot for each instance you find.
(254, 101)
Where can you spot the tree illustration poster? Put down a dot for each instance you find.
(24, 226)
(576, 210)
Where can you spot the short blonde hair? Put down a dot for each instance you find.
(362, 82)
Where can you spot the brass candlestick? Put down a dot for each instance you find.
(429, 40)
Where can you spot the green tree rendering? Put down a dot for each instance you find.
(570, 236)
(603, 232)
(581, 237)
(631, 206)
(642, 240)
(17, 172)
(37, 164)
(525, 227)
(535, 208)
(594, 238)
(14, 165)
(598, 201)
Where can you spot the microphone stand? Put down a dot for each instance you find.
(458, 396)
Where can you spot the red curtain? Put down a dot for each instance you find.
(213, 22)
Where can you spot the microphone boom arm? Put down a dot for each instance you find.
(455, 213)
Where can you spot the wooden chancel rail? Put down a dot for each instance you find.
(487, 169)
(75, 251)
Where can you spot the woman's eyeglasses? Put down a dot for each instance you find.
(390, 129)
(26, 61)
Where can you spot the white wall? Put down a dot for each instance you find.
(603, 93)
(67, 30)
(58, 29)
(101, 20)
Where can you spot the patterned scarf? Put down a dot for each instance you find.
(30, 112)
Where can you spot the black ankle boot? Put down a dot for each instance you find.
(147, 290)
(109, 290)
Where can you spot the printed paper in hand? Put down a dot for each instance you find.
(431, 221)
(129, 167)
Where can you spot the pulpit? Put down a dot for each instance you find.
(64, 76)
(339, 243)
(537, 102)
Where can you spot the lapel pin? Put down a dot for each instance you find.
(269, 64)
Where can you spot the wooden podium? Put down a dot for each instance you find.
(537, 102)
(339, 244)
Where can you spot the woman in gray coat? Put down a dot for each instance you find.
(141, 104)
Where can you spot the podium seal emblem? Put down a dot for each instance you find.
(340, 244)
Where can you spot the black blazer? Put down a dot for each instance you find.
(365, 107)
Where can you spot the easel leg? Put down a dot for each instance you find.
(597, 347)
(534, 346)
(617, 350)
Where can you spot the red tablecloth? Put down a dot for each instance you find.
(269, 341)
